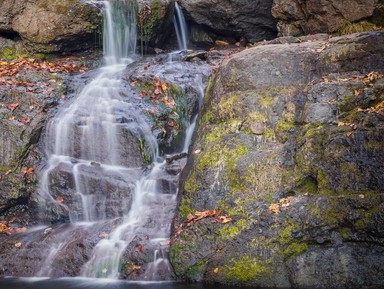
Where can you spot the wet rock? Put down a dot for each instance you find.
(154, 19)
(185, 82)
(294, 188)
(251, 19)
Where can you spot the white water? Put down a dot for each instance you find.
(181, 28)
(92, 149)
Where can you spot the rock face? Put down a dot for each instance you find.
(154, 18)
(289, 147)
(251, 19)
(58, 26)
(310, 16)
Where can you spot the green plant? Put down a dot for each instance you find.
(348, 27)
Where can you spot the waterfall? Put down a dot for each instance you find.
(181, 27)
(95, 176)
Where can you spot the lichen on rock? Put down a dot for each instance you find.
(288, 144)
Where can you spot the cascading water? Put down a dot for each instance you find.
(97, 148)
(181, 28)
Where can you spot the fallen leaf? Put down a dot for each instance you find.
(59, 199)
(8, 172)
(134, 267)
(18, 244)
(216, 270)
(225, 219)
(28, 171)
(139, 248)
(220, 42)
(274, 208)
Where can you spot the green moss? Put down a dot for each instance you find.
(11, 53)
(184, 209)
(308, 185)
(244, 269)
(228, 232)
(191, 184)
(148, 23)
(147, 158)
(194, 272)
(295, 249)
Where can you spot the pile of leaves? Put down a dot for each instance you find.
(8, 230)
(166, 113)
(9, 70)
(274, 208)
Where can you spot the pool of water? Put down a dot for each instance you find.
(88, 283)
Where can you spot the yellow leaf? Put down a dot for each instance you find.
(18, 244)
(216, 270)
(220, 42)
(274, 208)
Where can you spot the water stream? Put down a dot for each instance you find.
(96, 175)
(181, 28)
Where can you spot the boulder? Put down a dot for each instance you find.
(296, 18)
(288, 146)
(68, 25)
(251, 19)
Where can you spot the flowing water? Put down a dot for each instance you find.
(181, 28)
(98, 175)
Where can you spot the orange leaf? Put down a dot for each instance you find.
(225, 219)
(59, 199)
(139, 248)
(216, 270)
(274, 208)
(28, 171)
(8, 172)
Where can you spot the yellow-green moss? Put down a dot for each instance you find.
(244, 269)
(11, 53)
(184, 208)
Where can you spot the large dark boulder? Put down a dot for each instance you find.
(68, 25)
(289, 145)
(251, 19)
(310, 16)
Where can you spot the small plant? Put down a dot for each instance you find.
(348, 27)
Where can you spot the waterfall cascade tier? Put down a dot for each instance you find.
(103, 170)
